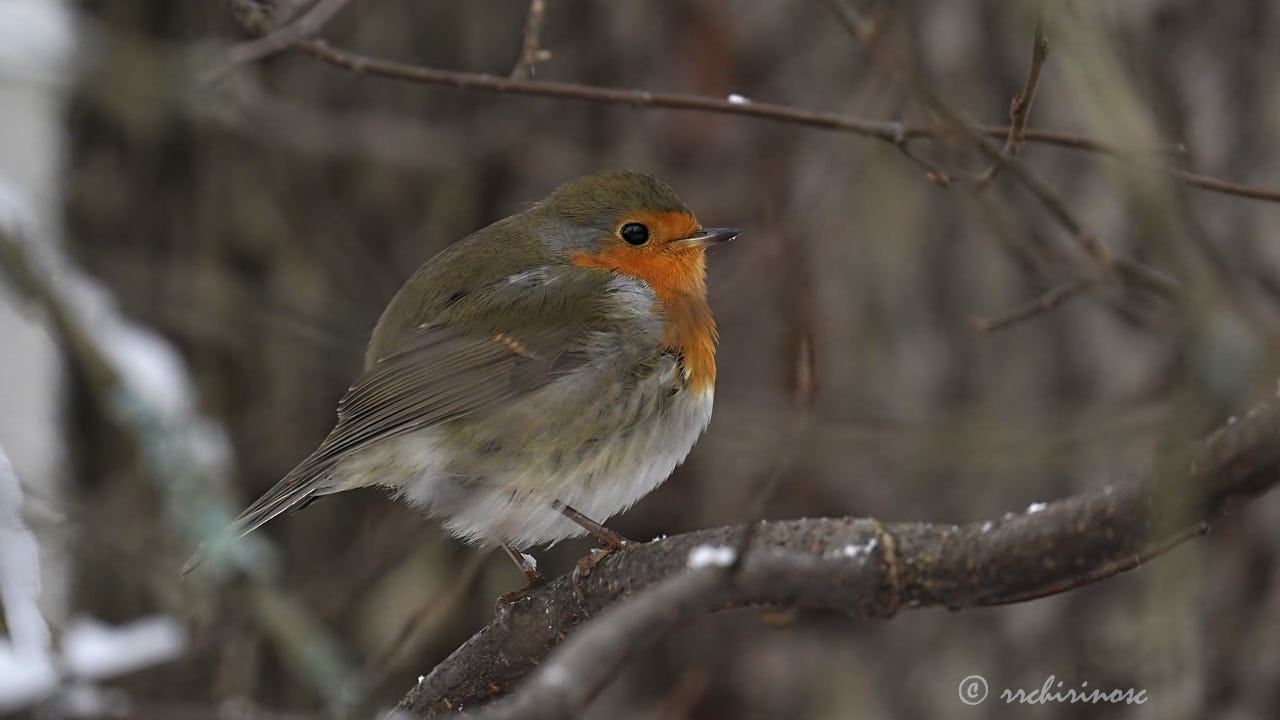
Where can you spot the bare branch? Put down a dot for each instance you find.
(890, 132)
(310, 23)
(874, 570)
(1046, 302)
(172, 444)
(1109, 265)
(1206, 182)
(531, 52)
(932, 172)
(430, 611)
(586, 663)
(1020, 107)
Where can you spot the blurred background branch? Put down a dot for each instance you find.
(250, 14)
(141, 386)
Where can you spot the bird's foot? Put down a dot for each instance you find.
(532, 581)
(587, 563)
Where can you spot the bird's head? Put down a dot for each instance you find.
(632, 224)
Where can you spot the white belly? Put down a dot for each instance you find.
(511, 501)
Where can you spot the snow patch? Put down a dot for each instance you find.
(19, 570)
(854, 550)
(712, 556)
(92, 649)
(554, 675)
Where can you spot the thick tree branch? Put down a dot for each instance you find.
(587, 661)
(871, 569)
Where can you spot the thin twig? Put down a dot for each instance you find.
(932, 172)
(1046, 302)
(806, 394)
(1206, 182)
(435, 606)
(1108, 264)
(884, 131)
(1020, 107)
(307, 25)
(531, 52)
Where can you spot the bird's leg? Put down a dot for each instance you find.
(532, 578)
(609, 540)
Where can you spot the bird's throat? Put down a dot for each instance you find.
(678, 281)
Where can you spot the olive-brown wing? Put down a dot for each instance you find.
(435, 376)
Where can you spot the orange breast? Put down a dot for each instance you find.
(678, 279)
(690, 329)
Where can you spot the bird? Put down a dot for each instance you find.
(534, 379)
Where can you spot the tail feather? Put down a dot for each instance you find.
(294, 490)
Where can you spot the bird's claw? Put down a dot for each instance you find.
(587, 563)
(507, 600)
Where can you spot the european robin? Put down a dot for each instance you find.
(540, 375)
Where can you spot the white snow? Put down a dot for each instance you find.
(26, 666)
(150, 366)
(19, 570)
(24, 678)
(1035, 507)
(712, 556)
(37, 40)
(854, 550)
(92, 649)
(737, 99)
(554, 675)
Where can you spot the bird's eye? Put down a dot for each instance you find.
(635, 233)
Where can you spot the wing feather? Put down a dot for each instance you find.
(437, 376)
(435, 373)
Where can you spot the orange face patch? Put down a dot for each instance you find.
(677, 275)
(665, 225)
(670, 270)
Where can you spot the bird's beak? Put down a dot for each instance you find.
(709, 236)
